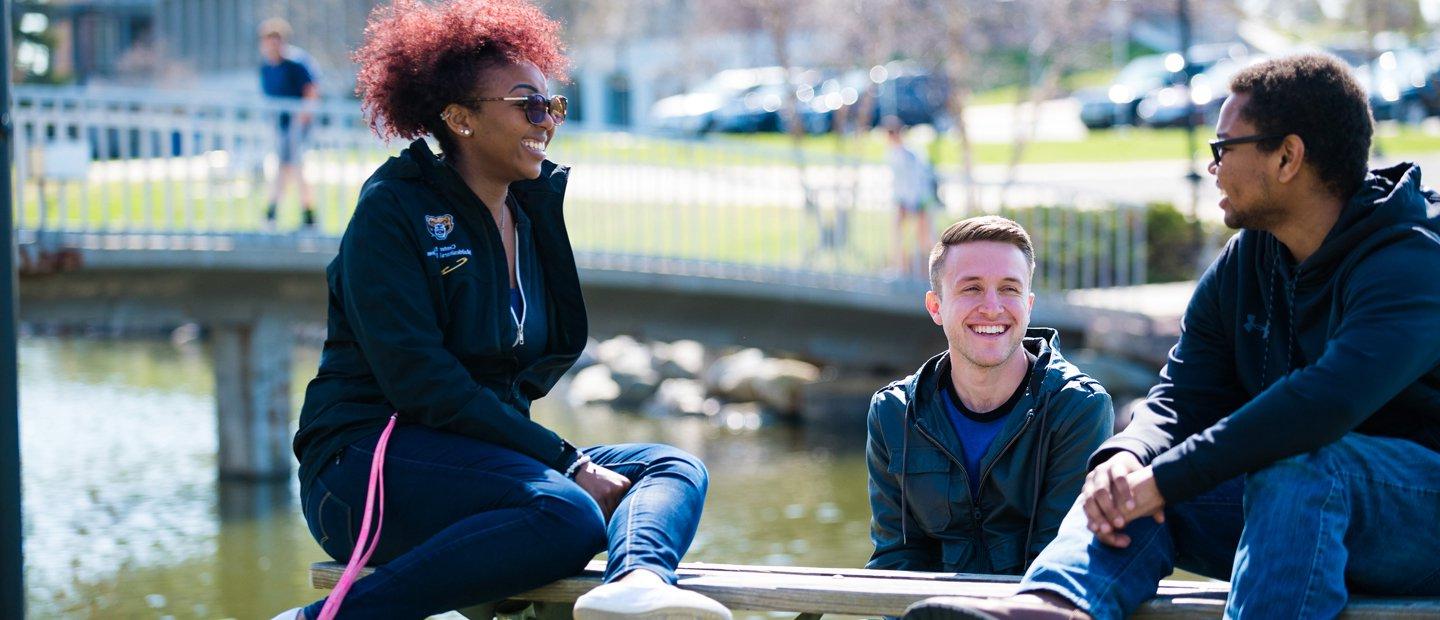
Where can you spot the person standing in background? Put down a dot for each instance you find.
(287, 74)
(911, 185)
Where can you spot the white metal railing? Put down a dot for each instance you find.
(127, 161)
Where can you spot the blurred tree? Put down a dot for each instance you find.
(951, 37)
(868, 32)
(780, 20)
(1060, 30)
(1309, 19)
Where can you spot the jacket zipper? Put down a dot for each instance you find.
(975, 514)
(1029, 415)
(519, 282)
(467, 196)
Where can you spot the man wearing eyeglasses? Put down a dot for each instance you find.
(1292, 444)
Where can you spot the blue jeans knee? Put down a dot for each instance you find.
(575, 519)
(682, 463)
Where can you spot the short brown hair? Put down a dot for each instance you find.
(275, 27)
(981, 228)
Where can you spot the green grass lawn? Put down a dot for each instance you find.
(1102, 146)
(708, 228)
(754, 234)
(836, 239)
(1070, 83)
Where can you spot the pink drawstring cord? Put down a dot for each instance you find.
(365, 546)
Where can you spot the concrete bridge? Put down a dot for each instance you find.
(138, 211)
(251, 290)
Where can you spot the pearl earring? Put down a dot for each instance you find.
(466, 132)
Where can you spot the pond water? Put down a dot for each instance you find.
(124, 517)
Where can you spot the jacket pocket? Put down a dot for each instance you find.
(957, 554)
(926, 474)
(479, 316)
(1006, 553)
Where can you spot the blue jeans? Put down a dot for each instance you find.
(1294, 539)
(469, 522)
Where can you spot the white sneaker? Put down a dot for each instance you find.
(621, 601)
(290, 614)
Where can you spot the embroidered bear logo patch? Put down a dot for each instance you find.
(440, 226)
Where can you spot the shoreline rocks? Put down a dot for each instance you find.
(661, 379)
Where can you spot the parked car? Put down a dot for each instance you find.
(1404, 85)
(1119, 103)
(820, 97)
(1116, 104)
(754, 100)
(1207, 90)
(908, 92)
(696, 112)
(900, 89)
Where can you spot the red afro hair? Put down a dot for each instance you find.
(419, 57)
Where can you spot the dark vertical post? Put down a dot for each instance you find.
(1193, 175)
(12, 590)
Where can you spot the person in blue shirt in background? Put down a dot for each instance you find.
(975, 458)
(286, 73)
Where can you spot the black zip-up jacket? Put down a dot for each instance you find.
(1277, 359)
(923, 514)
(420, 321)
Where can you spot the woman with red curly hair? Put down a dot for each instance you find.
(454, 303)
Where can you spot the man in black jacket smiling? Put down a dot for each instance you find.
(1292, 444)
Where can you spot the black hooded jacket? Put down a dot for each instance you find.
(1277, 359)
(419, 317)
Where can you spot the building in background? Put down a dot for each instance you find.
(208, 44)
(627, 54)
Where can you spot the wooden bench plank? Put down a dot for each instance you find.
(873, 593)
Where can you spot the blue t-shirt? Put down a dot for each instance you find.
(977, 430)
(286, 79)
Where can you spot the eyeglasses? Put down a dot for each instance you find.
(537, 107)
(1217, 147)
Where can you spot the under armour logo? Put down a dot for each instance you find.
(1251, 325)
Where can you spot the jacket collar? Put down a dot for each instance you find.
(926, 406)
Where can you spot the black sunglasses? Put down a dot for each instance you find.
(537, 107)
(1217, 147)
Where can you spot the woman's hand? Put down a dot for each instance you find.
(607, 487)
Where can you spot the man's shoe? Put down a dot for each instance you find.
(967, 608)
(622, 601)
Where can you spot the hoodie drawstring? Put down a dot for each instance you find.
(1269, 318)
(1044, 447)
(904, 450)
(1288, 292)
